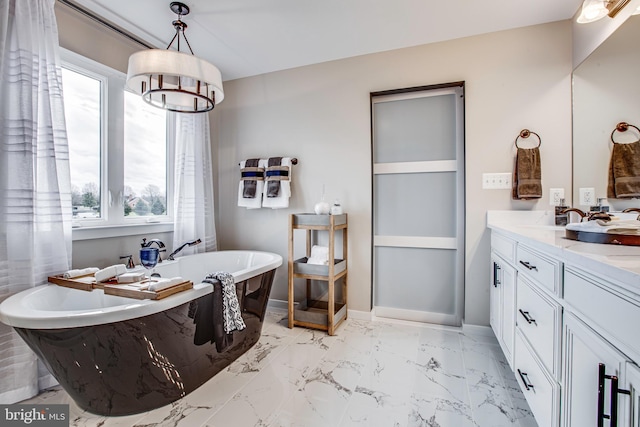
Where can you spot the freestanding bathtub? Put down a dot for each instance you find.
(120, 356)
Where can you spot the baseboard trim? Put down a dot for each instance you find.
(360, 315)
(485, 331)
(415, 316)
(375, 315)
(278, 304)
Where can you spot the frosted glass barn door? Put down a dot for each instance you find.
(418, 205)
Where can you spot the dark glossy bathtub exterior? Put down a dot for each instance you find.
(141, 364)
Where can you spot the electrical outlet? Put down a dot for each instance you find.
(587, 197)
(555, 194)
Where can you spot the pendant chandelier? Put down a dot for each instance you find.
(174, 80)
(594, 10)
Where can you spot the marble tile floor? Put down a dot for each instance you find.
(369, 374)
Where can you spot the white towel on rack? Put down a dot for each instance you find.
(282, 200)
(253, 202)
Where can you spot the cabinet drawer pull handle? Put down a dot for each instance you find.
(613, 400)
(525, 380)
(527, 317)
(601, 375)
(496, 270)
(529, 266)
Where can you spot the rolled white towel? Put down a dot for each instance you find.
(319, 255)
(131, 277)
(79, 272)
(165, 283)
(110, 272)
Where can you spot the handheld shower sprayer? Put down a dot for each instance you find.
(193, 243)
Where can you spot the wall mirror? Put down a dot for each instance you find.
(606, 91)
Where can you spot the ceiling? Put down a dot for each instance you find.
(250, 37)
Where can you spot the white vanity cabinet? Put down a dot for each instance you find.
(503, 294)
(539, 318)
(633, 385)
(590, 362)
(576, 335)
(538, 322)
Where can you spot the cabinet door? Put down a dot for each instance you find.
(633, 385)
(495, 298)
(584, 352)
(508, 311)
(502, 309)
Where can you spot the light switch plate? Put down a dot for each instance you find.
(587, 197)
(496, 181)
(555, 194)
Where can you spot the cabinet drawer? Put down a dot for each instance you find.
(538, 318)
(544, 271)
(614, 314)
(504, 247)
(540, 390)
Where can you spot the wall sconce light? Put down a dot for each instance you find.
(594, 10)
(174, 80)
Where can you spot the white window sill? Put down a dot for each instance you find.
(103, 232)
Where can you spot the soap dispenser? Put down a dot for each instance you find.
(600, 207)
(336, 209)
(562, 217)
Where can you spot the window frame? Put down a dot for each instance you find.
(113, 222)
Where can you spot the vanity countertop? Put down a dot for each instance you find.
(533, 228)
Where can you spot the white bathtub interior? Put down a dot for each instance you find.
(52, 306)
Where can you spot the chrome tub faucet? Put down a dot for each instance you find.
(193, 243)
(147, 244)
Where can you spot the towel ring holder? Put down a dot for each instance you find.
(622, 127)
(526, 133)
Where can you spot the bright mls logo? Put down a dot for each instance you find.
(34, 415)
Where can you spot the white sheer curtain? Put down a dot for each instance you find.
(35, 195)
(193, 190)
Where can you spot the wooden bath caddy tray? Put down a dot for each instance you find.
(112, 287)
(132, 291)
(84, 283)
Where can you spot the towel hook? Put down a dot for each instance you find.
(622, 127)
(526, 133)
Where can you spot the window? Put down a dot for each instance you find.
(119, 153)
(83, 109)
(145, 158)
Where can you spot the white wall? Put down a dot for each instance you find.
(320, 114)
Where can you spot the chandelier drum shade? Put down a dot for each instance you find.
(174, 80)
